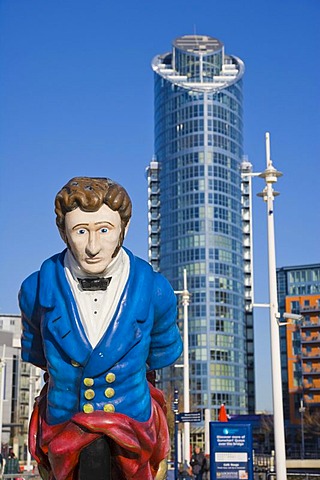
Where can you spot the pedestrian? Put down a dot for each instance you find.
(12, 463)
(184, 473)
(206, 474)
(198, 463)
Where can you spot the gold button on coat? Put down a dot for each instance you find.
(75, 364)
(108, 407)
(89, 394)
(110, 377)
(109, 392)
(88, 382)
(88, 408)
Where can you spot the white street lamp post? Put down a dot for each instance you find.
(302, 409)
(32, 380)
(271, 175)
(186, 380)
(186, 387)
(2, 367)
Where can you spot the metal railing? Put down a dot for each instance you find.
(20, 475)
(290, 476)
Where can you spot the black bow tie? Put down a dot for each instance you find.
(94, 283)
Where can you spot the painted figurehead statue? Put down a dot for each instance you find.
(98, 320)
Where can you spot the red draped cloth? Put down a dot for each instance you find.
(137, 448)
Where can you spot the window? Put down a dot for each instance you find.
(295, 307)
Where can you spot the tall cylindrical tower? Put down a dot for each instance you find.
(198, 150)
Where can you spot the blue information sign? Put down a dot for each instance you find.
(231, 451)
(189, 417)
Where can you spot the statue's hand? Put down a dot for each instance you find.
(162, 472)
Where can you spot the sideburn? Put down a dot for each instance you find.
(120, 242)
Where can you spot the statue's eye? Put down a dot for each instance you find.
(104, 230)
(82, 231)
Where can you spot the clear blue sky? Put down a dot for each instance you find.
(76, 96)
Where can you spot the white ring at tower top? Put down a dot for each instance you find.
(198, 63)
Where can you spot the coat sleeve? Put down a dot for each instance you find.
(166, 344)
(31, 339)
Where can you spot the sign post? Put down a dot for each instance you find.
(183, 417)
(175, 409)
(231, 451)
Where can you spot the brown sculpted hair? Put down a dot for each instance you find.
(89, 194)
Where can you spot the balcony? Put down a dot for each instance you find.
(309, 309)
(310, 356)
(154, 201)
(312, 371)
(310, 325)
(155, 229)
(312, 388)
(314, 339)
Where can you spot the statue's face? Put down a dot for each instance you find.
(93, 237)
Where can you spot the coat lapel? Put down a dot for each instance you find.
(62, 318)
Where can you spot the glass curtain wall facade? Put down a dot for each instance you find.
(195, 219)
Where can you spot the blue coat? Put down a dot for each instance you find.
(142, 335)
